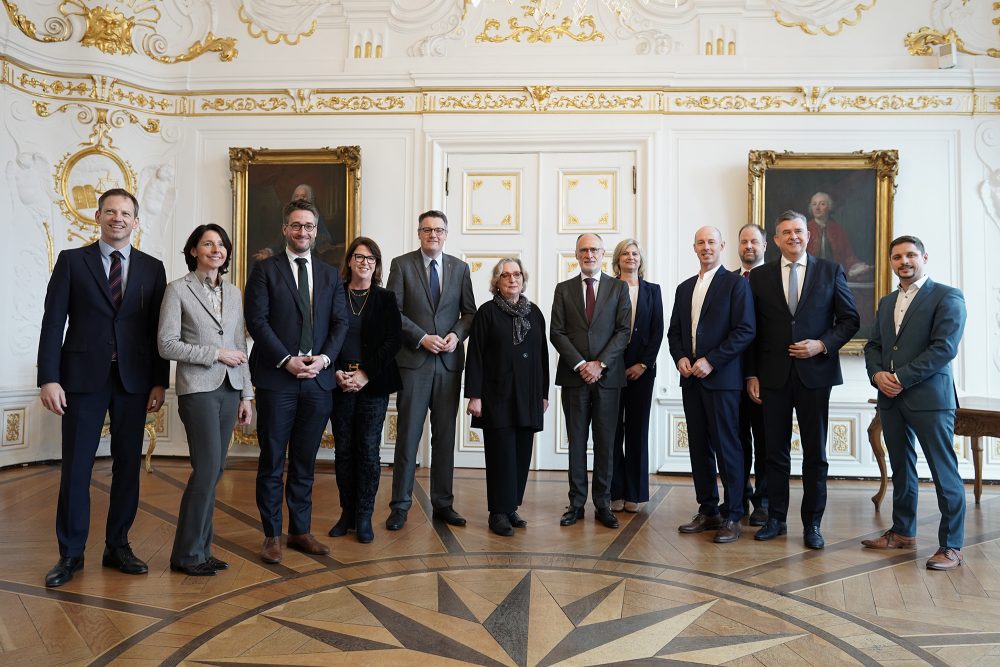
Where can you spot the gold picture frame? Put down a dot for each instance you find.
(263, 181)
(859, 190)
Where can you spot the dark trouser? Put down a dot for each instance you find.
(935, 429)
(754, 450)
(812, 408)
(208, 419)
(81, 434)
(581, 406)
(712, 438)
(508, 458)
(357, 420)
(630, 474)
(296, 420)
(434, 387)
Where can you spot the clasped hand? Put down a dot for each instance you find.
(436, 344)
(351, 381)
(304, 367)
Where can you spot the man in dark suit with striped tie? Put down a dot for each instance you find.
(106, 364)
(295, 311)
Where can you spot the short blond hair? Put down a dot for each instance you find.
(616, 256)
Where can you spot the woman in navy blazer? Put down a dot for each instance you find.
(630, 475)
(366, 375)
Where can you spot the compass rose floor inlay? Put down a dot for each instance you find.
(432, 594)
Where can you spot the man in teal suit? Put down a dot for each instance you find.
(918, 328)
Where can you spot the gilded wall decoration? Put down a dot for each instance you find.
(13, 432)
(736, 102)
(277, 24)
(543, 25)
(481, 102)
(588, 202)
(491, 202)
(125, 27)
(972, 27)
(890, 102)
(814, 17)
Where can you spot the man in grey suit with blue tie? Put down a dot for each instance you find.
(590, 327)
(917, 331)
(436, 303)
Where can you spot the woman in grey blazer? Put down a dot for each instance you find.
(201, 328)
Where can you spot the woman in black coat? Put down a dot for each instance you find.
(507, 384)
(630, 472)
(366, 375)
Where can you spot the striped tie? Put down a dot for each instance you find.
(115, 278)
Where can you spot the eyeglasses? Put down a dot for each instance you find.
(589, 251)
(507, 275)
(433, 231)
(298, 226)
(367, 259)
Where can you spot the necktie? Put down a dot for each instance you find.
(591, 298)
(306, 337)
(793, 287)
(115, 278)
(435, 284)
(746, 274)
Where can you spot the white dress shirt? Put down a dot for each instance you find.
(697, 301)
(903, 300)
(800, 275)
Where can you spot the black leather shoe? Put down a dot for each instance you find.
(813, 538)
(204, 569)
(500, 524)
(700, 523)
(606, 516)
(396, 520)
(516, 520)
(344, 524)
(571, 516)
(771, 530)
(365, 532)
(759, 516)
(63, 571)
(123, 559)
(217, 564)
(449, 516)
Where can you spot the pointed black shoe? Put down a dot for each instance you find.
(396, 520)
(344, 524)
(571, 516)
(204, 569)
(771, 530)
(365, 532)
(500, 524)
(449, 516)
(516, 520)
(813, 538)
(606, 516)
(124, 560)
(63, 571)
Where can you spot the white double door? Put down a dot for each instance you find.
(533, 206)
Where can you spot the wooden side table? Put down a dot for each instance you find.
(977, 417)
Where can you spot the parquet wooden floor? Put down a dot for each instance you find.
(431, 594)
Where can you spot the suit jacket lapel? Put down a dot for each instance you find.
(922, 294)
(285, 271)
(810, 280)
(603, 294)
(194, 285)
(713, 290)
(776, 275)
(418, 266)
(92, 253)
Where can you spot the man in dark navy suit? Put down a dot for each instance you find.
(107, 363)
(917, 331)
(805, 314)
(295, 312)
(711, 326)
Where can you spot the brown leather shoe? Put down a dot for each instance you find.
(700, 523)
(271, 551)
(890, 539)
(306, 543)
(728, 532)
(946, 558)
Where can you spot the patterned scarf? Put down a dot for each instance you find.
(519, 311)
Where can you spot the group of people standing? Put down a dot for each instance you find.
(333, 347)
